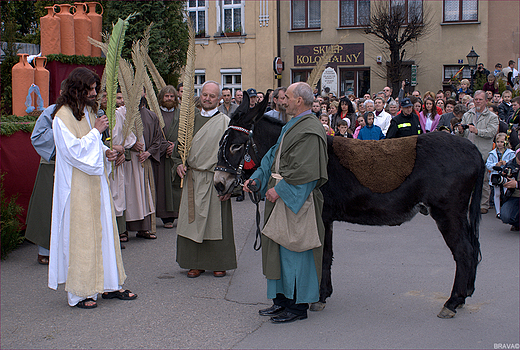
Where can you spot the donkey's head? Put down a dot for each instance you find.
(236, 145)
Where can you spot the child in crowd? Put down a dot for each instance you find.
(324, 119)
(361, 124)
(343, 129)
(491, 85)
(505, 111)
(498, 157)
(370, 131)
(464, 87)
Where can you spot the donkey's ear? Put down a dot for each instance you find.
(259, 110)
(244, 106)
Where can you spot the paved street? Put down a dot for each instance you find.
(389, 285)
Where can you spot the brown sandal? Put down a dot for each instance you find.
(43, 260)
(146, 235)
(123, 237)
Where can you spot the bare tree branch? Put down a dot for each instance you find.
(397, 26)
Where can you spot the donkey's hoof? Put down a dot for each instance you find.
(317, 306)
(446, 313)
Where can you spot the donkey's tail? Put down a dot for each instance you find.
(473, 227)
(474, 212)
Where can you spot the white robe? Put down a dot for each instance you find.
(87, 154)
(117, 179)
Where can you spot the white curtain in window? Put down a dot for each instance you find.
(298, 14)
(469, 10)
(314, 14)
(363, 12)
(451, 10)
(347, 12)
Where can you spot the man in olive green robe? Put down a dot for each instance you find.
(205, 238)
(293, 277)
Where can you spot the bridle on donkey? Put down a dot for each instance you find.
(238, 172)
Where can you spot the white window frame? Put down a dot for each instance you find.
(198, 9)
(220, 7)
(200, 79)
(234, 72)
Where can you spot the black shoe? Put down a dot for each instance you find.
(286, 317)
(240, 198)
(271, 311)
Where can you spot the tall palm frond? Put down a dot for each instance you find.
(187, 109)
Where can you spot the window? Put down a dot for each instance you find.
(200, 78)
(412, 9)
(232, 78)
(451, 70)
(460, 11)
(197, 13)
(354, 13)
(306, 14)
(231, 19)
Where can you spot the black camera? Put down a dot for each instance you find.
(406, 82)
(464, 126)
(504, 172)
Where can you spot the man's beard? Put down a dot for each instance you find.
(168, 104)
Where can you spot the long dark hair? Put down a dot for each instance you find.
(75, 93)
(434, 108)
(337, 117)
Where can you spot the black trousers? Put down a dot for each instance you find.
(290, 304)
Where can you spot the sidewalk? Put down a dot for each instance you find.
(389, 284)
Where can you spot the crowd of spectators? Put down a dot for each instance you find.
(477, 115)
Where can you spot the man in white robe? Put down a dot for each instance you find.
(117, 179)
(84, 249)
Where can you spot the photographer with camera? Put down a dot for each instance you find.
(479, 125)
(510, 208)
(497, 159)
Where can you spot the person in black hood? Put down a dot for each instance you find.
(405, 123)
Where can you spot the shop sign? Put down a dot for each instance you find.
(344, 55)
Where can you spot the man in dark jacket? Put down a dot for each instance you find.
(405, 123)
(458, 112)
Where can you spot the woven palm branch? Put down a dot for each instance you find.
(316, 73)
(150, 92)
(115, 46)
(136, 90)
(156, 76)
(187, 110)
(125, 77)
(126, 81)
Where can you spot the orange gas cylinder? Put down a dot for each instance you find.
(42, 79)
(66, 29)
(23, 78)
(50, 32)
(97, 22)
(82, 30)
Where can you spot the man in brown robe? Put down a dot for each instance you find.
(140, 185)
(167, 183)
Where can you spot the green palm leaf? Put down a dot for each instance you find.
(115, 46)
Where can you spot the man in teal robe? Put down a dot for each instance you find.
(293, 277)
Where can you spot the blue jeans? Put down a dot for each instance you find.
(509, 211)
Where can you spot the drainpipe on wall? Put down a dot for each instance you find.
(278, 45)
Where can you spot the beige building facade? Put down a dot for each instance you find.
(236, 42)
(306, 27)
(490, 27)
